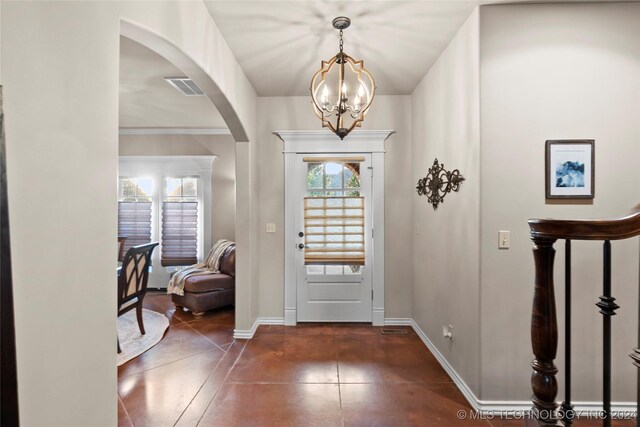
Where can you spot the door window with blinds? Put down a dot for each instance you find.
(334, 217)
(179, 224)
(134, 210)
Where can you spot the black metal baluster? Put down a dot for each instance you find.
(607, 309)
(567, 407)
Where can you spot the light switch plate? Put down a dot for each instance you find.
(271, 227)
(504, 239)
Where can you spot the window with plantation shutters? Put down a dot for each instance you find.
(179, 222)
(334, 230)
(134, 211)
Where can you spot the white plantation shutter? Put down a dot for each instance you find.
(179, 233)
(334, 230)
(134, 223)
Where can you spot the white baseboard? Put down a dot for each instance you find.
(377, 318)
(247, 334)
(290, 316)
(398, 321)
(493, 407)
(271, 320)
(459, 382)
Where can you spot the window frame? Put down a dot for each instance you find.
(157, 167)
(198, 198)
(149, 199)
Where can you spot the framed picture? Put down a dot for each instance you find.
(570, 169)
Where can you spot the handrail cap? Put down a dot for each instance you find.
(618, 228)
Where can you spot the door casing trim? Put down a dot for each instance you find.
(301, 142)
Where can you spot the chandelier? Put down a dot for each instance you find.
(342, 89)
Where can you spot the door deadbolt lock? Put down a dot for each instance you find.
(301, 234)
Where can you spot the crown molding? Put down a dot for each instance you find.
(174, 131)
(171, 164)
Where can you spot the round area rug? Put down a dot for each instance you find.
(132, 342)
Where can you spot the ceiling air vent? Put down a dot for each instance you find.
(185, 85)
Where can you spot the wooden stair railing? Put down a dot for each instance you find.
(544, 328)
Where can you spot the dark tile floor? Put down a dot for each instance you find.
(309, 375)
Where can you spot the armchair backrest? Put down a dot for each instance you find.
(228, 262)
(134, 275)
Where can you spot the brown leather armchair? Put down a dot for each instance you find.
(208, 291)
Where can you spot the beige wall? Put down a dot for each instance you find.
(556, 72)
(60, 75)
(62, 153)
(223, 180)
(295, 113)
(446, 241)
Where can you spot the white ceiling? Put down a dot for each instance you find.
(148, 101)
(279, 44)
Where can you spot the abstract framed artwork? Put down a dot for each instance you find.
(570, 169)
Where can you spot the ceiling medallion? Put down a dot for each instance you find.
(438, 183)
(342, 89)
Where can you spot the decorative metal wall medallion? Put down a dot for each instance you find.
(438, 183)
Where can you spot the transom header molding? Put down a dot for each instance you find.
(324, 141)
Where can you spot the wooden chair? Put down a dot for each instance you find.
(121, 240)
(132, 281)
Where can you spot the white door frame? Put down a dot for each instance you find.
(324, 141)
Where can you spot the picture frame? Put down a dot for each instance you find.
(570, 169)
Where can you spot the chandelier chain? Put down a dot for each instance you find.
(340, 41)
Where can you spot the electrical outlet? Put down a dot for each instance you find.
(271, 227)
(447, 331)
(504, 239)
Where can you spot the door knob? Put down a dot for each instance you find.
(300, 246)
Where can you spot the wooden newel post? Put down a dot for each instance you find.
(544, 335)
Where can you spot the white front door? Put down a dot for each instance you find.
(334, 237)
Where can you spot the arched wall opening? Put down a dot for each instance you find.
(181, 60)
(59, 72)
(141, 33)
